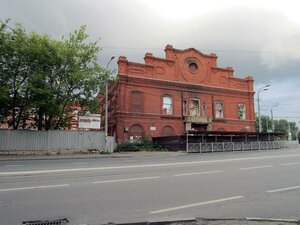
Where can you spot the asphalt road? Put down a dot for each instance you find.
(96, 191)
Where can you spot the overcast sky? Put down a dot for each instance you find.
(260, 38)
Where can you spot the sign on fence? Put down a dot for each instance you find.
(92, 121)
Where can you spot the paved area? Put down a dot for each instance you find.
(91, 155)
(263, 184)
(235, 222)
(203, 221)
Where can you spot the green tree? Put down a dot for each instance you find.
(41, 77)
(16, 64)
(294, 130)
(280, 126)
(266, 123)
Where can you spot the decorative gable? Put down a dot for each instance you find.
(187, 66)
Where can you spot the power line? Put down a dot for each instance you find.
(5, 24)
(206, 50)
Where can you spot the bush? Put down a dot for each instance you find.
(127, 147)
(143, 145)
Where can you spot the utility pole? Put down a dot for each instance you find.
(264, 88)
(106, 101)
(274, 105)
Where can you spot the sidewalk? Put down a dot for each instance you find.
(90, 155)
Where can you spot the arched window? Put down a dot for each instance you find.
(136, 132)
(167, 131)
(167, 107)
(136, 100)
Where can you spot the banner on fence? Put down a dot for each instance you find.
(92, 121)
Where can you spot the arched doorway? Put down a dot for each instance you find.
(167, 131)
(136, 132)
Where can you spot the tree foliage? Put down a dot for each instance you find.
(41, 77)
(279, 126)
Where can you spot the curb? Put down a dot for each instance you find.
(272, 219)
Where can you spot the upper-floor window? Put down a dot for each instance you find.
(167, 107)
(241, 111)
(219, 110)
(195, 107)
(136, 101)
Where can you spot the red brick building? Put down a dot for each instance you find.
(184, 90)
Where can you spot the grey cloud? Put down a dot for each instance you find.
(256, 42)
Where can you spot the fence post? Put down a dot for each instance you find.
(223, 146)
(200, 147)
(212, 147)
(187, 141)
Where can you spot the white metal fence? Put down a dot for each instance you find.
(22, 140)
(233, 146)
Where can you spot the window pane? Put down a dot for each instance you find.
(219, 110)
(195, 107)
(167, 100)
(167, 105)
(241, 111)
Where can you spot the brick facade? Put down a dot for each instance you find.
(185, 90)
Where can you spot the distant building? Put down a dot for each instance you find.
(186, 90)
(31, 123)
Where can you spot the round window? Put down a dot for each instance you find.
(193, 67)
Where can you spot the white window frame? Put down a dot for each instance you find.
(192, 103)
(219, 113)
(167, 106)
(243, 117)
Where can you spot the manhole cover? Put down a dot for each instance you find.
(46, 222)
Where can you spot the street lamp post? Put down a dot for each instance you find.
(274, 105)
(264, 88)
(106, 100)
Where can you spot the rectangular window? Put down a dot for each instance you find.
(167, 105)
(241, 111)
(195, 107)
(219, 110)
(136, 102)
